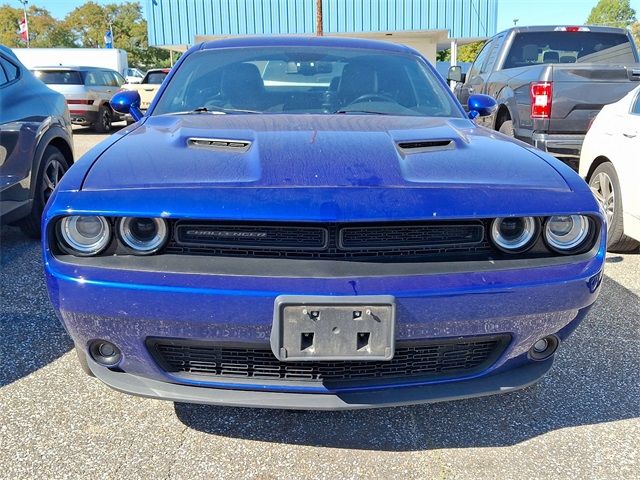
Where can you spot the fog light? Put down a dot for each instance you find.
(544, 347)
(541, 345)
(105, 353)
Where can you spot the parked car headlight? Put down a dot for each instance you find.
(143, 235)
(84, 235)
(514, 234)
(566, 233)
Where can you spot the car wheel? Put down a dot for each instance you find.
(52, 167)
(507, 128)
(103, 123)
(605, 186)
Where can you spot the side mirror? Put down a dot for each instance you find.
(127, 101)
(481, 105)
(455, 74)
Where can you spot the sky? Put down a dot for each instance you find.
(529, 12)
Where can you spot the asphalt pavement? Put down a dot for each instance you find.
(580, 421)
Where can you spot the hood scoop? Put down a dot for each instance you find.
(219, 144)
(421, 146)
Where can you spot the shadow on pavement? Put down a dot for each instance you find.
(31, 335)
(595, 379)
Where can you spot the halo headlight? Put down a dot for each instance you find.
(143, 235)
(566, 233)
(84, 235)
(514, 234)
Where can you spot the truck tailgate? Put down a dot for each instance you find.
(581, 90)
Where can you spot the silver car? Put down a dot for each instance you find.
(87, 91)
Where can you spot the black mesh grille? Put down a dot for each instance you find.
(442, 358)
(370, 242)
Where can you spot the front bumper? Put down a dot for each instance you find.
(127, 304)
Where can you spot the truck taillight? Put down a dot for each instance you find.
(541, 99)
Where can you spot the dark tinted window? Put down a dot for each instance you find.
(59, 77)
(480, 59)
(154, 78)
(3, 77)
(569, 47)
(297, 79)
(10, 71)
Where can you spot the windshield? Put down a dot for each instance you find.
(305, 80)
(59, 77)
(569, 47)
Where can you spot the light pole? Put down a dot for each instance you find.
(26, 22)
(319, 31)
(515, 21)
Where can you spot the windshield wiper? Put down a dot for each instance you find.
(214, 111)
(368, 112)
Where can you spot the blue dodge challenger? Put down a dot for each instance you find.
(316, 223)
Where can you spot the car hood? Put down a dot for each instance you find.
(290, 151)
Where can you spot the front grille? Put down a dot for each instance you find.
(370, 242)
(425, 359)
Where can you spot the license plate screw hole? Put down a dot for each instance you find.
(357, 314)
(335, 330)
(362, 341)
(306, 341)
(313, 314)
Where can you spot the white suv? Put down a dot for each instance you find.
(87, 90)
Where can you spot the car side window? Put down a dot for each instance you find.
(636, 106)
(119, 79)
(91, 79)
(476, 68)
(492, 55)
(8, 71)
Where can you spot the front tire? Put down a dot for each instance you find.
(103, 123)
(52, 167)
(605, 186)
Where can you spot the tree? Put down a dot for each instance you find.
(89, 23)
(466, 53)
(612, 13)
(44, 30)
(635, 31)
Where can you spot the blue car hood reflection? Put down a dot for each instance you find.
(343, 151)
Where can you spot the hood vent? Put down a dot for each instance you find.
(220, 144)
(419, 146)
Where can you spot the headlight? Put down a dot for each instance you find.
(566, 233)
(514, 234)
(84, 235)
(144, 235)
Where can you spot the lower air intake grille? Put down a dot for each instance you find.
(435, 358)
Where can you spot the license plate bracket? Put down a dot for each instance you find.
(322, 328)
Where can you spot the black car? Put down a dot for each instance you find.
(35, 143)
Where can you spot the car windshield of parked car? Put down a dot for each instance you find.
(537, 48)
(59, 77)
(302, 80)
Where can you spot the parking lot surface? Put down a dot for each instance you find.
(580, 421)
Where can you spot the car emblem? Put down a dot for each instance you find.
(226, 234)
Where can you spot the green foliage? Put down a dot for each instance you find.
(466, 53)
(86, 26)
(612, 13)
(635, 31)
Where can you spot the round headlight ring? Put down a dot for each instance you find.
(84, 235)
(567, 233)
(143, 235)
(514, 234)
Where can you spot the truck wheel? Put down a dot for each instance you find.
(52, 167)
(507, 128)
(103, 123)
(605, 186)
